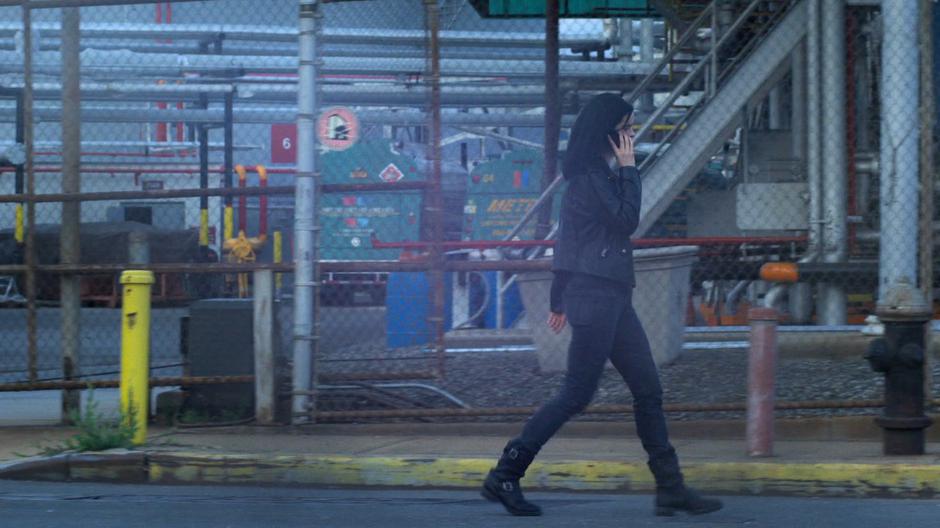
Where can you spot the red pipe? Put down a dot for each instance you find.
(144, 170)
(242, 200)
(181, 153)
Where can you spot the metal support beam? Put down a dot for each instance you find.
(552, 114)
(29, 259)
(647, 43)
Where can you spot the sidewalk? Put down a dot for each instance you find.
(810, 459)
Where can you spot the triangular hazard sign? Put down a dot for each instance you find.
(391, 173)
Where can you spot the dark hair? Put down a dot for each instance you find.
(587, 143)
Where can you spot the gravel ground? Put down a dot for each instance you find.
(511, 379)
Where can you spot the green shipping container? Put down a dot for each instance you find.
(501, 192)
(350, 219)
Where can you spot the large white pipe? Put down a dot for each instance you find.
(833, 301)
(900, 137)
(352, 36)
(373, 94)
(269, 115)
(123, 63)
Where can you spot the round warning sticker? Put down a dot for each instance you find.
(338, 128)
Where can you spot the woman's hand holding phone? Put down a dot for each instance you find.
(623, 149)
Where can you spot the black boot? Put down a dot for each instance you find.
(502, 482)
(671, 492)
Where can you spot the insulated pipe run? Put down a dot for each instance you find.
(286, 34)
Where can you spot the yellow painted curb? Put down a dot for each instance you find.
(836, 480)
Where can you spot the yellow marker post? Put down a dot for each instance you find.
(228, 228)
(278, 248)
(135, 350)
(18, 230)
(203, 227)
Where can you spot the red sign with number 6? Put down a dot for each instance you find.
(283, 139)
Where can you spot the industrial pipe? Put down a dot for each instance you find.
(355, 36)
(833, 301)
(270, 115)
(121, 63)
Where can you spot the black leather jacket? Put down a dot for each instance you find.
(599, 212)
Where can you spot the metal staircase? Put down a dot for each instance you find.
(743, 62)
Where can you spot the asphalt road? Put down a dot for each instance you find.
(45, 505)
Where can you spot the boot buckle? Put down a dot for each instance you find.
(513, 453)
(507, 486)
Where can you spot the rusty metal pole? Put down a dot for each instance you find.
(552, 115)
(434, 205)
(29, 258)
(69, 238)
(762, 361)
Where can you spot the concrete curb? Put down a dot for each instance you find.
(741, 478)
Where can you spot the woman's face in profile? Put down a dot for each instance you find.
(626, 124)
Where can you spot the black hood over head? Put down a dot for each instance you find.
(588, 140)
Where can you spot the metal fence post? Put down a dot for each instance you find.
(263, 289)
(69, 248)
(762, 361)
(29, 257)
(305, 277)
(435, 206)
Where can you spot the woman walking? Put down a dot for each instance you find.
(592, 289)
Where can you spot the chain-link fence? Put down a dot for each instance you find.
(770, 173)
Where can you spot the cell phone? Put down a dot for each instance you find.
(614, 135)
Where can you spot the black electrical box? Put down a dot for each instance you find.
(220, 342)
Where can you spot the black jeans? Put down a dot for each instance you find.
(604, 326)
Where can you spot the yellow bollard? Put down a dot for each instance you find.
(135, 350)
